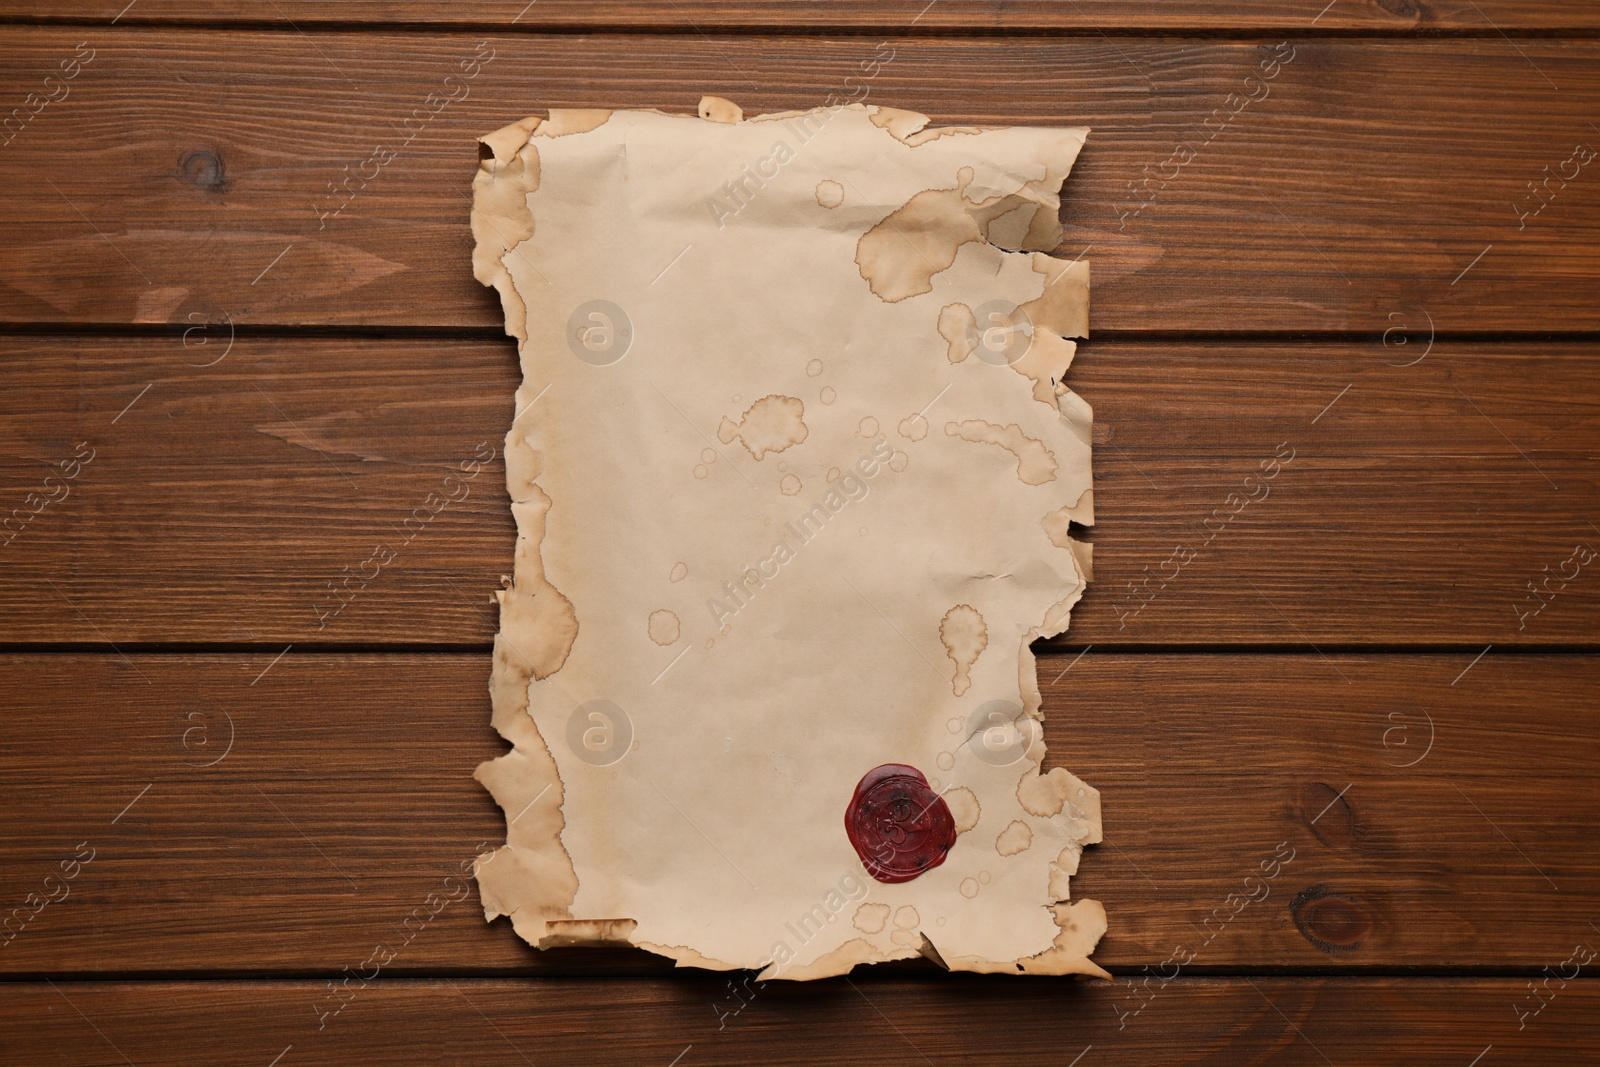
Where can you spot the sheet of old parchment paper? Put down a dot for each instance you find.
(794, 474)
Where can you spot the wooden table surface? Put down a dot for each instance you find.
(237, 352)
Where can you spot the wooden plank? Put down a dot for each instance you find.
(1355, 188)
(965, 16)
(1429, 810)
(659, 1022)
(1418, 507)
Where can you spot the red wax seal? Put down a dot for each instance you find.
(898, 825)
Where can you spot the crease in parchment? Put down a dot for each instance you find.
(970, 228)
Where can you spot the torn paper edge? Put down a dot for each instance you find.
(534, 881)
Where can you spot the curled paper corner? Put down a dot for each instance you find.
(740, 550)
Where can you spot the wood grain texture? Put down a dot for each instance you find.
(960, 16)
(1195, 1022)
(1423, 821)
(275, 812)
(1419, 504)
(192, 169)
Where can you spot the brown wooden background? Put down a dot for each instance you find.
(1351, 666)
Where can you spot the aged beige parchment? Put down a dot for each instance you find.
(794, 472)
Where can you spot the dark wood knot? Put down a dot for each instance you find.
(1331, 921)
(1402, 9)
(204, 169)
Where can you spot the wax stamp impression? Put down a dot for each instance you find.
(899, 826)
